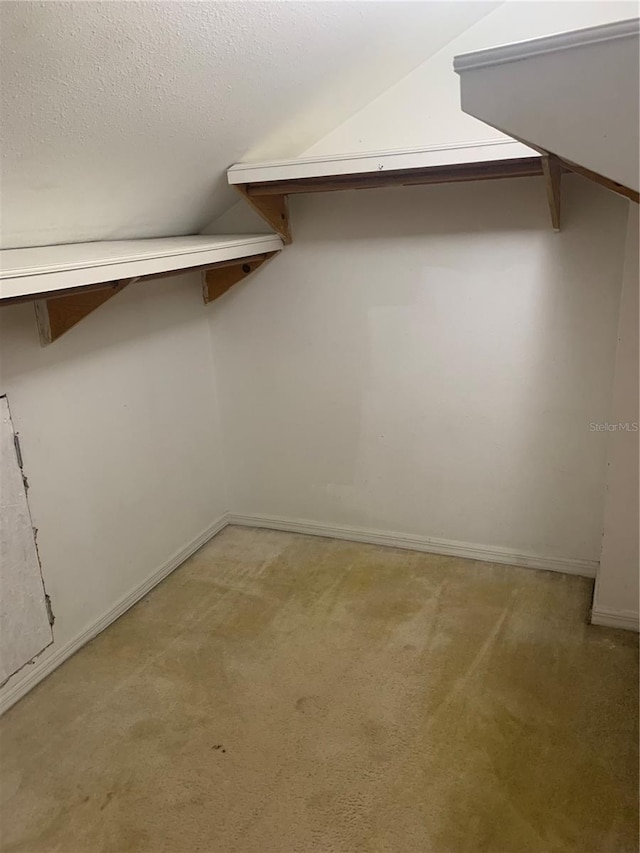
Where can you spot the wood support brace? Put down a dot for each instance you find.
(274, 209)
(55, 315)
(217, 280)
(57, 312)
(552, 168)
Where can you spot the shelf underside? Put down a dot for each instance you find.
(488, 170)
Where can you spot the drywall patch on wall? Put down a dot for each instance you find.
(120, 425)
(428, 361)
(25, 616)
(52, 659)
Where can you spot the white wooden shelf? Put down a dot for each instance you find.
(546, 44)
(266, 186)
(68, 282)
(33, 272)
(376, 162)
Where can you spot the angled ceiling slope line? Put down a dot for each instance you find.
(67, 282)
(122, 118)
(575, 95)
(266, 186)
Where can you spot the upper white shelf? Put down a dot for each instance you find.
(546, 44)
(45, 269)
(374, 162)
(267, 186)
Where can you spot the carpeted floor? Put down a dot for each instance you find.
(286, 694)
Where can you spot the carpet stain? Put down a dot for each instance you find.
(284, 694)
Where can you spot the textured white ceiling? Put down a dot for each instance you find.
(120, 118)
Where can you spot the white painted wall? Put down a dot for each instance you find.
(543, 470)
(616, 595)
(424, 107)
(119, 119)
(427, 361)
(118, 424)
(423, 361)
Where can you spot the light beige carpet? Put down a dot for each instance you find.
(285, 694)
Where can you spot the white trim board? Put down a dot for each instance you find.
(428, 544)
(454, 153)
(45, 268)
(625, 619)
(546, 44)
(46, 663)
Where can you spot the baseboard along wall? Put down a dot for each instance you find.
(31, 674)
(625, 619)
(42, 666)
(429, 544)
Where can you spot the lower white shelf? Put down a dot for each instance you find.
(45, 269)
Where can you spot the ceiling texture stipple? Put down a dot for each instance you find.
(120, 118)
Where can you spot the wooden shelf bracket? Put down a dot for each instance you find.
(552, 169)
(274, 209)
(220, 278)
(55, 315)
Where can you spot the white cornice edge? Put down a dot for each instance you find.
(546, 44)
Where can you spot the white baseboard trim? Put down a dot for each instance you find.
(626, 619)
(33, 673)
(431, 545)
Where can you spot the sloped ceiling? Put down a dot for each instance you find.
(389, 121)
(120, 118)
